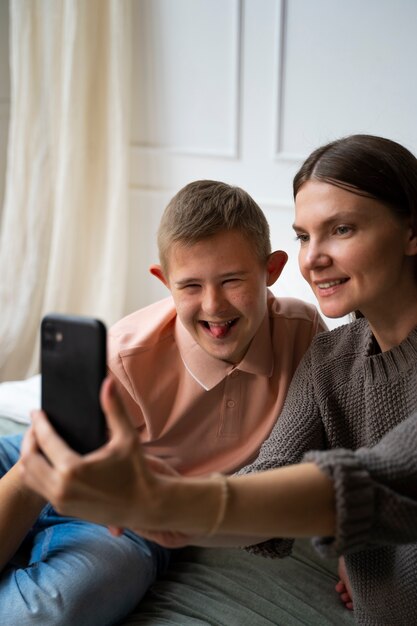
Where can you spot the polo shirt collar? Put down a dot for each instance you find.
(209, 372)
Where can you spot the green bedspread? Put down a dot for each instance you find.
(230, 587)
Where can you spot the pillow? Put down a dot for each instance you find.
(18, 398)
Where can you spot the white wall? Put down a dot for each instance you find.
(242, 91)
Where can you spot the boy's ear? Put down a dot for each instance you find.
(156, 270)
(274, 266)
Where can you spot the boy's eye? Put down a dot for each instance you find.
(189, 287)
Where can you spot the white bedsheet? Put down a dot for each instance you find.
(18, 398)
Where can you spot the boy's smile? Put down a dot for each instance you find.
(218, 329)
(219, 288)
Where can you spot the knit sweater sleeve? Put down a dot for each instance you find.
(376, 492)
(298, 429)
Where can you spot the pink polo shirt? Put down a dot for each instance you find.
(199, 413)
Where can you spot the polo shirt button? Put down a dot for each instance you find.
(230, 404)
(234, 374)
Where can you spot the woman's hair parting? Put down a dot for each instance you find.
(367, 165)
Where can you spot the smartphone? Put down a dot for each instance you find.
(73, 366)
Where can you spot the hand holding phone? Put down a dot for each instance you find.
(73, 367)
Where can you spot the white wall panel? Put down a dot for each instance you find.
(348, 67)
(186, 75)
(146, 210)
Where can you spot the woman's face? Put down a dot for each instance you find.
(354, 252)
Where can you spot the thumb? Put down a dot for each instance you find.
(112, 405)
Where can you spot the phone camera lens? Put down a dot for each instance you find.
(51, 336)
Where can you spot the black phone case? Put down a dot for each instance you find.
(73, 366)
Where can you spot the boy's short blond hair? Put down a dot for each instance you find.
(204, 208)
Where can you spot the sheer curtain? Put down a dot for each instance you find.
(63, 239)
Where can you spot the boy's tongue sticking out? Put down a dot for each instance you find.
(219, 330)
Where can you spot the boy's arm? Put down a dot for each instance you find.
(19, 509)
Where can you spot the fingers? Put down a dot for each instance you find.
(29, 444)
(43, 436)
(51, 444)
(344, 595)
(28, 450)
(343, 587)
(44, 455)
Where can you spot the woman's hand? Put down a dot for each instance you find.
(111, 485)
(343, 587)
(117, 485)
(168, 539)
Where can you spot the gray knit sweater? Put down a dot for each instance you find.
(346, 396)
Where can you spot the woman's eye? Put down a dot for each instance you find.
(301, 237)
(343, 230)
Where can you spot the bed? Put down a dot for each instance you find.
(218, 587)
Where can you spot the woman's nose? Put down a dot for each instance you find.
(315, 256)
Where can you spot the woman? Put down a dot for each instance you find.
(355, 218)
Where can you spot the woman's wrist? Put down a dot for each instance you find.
(223, 499)
(189, 505)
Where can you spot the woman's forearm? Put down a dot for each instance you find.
(19, 508)
(294, 501)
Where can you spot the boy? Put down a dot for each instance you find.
(205, 372)
(203, 375)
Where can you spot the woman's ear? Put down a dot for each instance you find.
(157, 271)
(274, 266)
(411, 246)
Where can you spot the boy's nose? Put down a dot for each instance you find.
(213, 301)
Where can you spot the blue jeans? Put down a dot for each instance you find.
(68, 571)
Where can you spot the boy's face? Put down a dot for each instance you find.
(219, 288)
